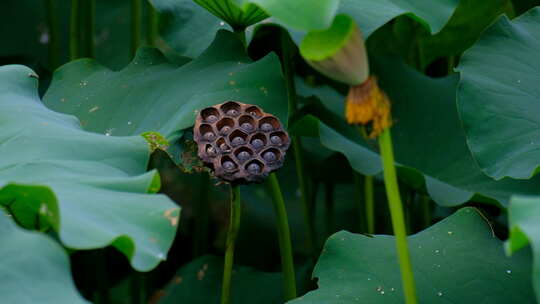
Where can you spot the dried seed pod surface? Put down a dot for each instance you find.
(240, 142)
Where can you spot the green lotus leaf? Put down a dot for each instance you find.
(92, 189)
(35, 269)
(154, 95)
(458, 260)
(427, 135)
(498, 97)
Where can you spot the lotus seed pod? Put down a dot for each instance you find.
(232, 112)
(237, 141)
(209, 136)
(276, 140)
(247, 126)
(240, 142)
(229, 165)
(243, 156)
(266, 127)
(211, 118)
(253, 168)
(257, 143)
(225, 130)
(269, 156)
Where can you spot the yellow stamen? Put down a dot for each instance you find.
(367, 103)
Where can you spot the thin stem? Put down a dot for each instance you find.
(370, 203)
(74, 30)
(234, 226)
(284, 236)
(287, 52)
(329, 206)
(359, 200)
(201, 217)
(53, 26)
(136, 25)
(89, 28)
(152, 33)
(396, 213)
(241, 33)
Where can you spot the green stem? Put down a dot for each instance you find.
(287, 52)
(53, 26)
(370, 203)
(284, 236)
(396, 213)
(329, 206)
(201, 217)
(234, 226)
(359, 200)
(152, 33)
(89, 28)
(74, 30)
(136, 25)
(241, 33)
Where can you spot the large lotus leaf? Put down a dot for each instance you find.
(187, 27)
(499, 96)
(90, 188)
(523, 215)
(152, 94)
(427, 136)
(458, 260)
(33, 268)
(199, 282)
(372, 14)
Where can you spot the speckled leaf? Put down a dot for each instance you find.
(499, 97)
(92, 189)
(34, 268)
(152, 94)
(457, 260)
(427, 135)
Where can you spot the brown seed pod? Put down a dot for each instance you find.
(240, 142)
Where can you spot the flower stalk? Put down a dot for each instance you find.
(339, 53)
(234, 227)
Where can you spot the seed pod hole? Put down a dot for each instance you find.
(231, 108)
(268, 124)
(210, 150)
(258, 141)
(243, 154)
(210, 115)
(228, 163)
(225, 125)
(279, 138)
(254, 111)
(237, 138)
(247, 123)
(207, 132)
(222, 145)
(254, 167)
(271, 155)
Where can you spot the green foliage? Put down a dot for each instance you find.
(89, 188)
(28, 277)
(355, 268)
(84, 157)
(502, 133)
